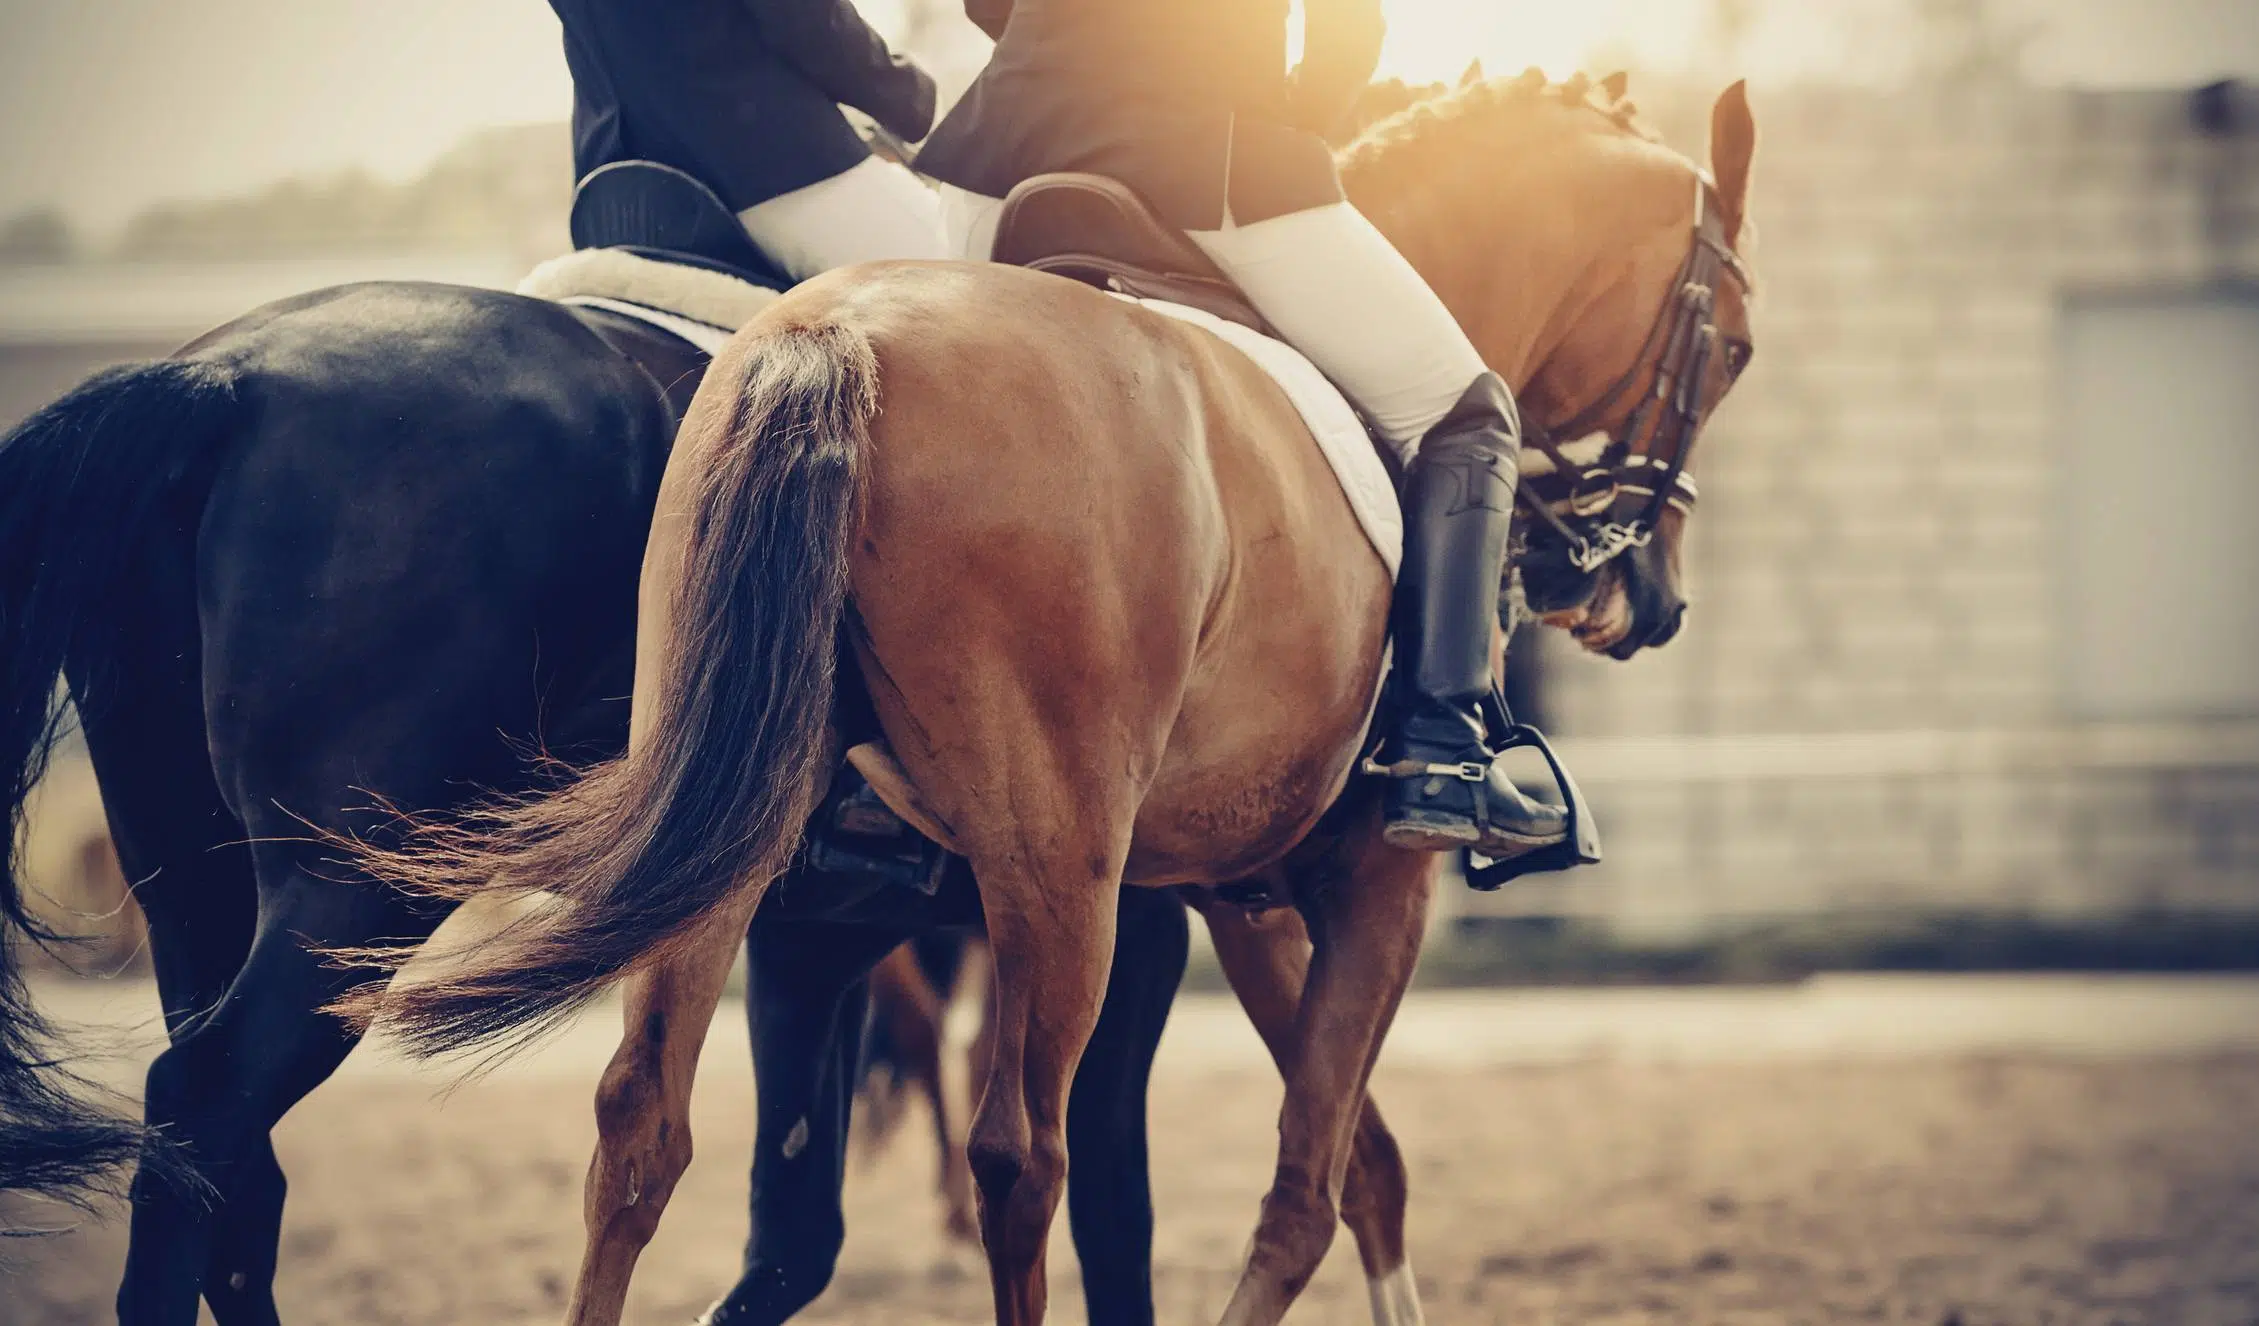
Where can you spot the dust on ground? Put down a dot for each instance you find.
(1593, 1182)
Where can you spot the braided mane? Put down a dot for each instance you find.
(1439, 125)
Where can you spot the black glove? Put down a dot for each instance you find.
(915, 108)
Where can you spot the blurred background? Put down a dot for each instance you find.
(1974, 680)
(1971, 689)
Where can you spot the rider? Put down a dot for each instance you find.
(1190, 103)
(745, 96)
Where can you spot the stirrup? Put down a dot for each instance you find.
(1581, 845)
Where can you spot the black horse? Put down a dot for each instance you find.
(367, 546)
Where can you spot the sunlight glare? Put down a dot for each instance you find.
(1432, 40)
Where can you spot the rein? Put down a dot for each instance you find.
(1617, 500)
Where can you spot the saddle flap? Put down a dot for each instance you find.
(659, 212)
(1096, 230)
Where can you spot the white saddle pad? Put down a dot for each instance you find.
(701, 306)
(1339, 433)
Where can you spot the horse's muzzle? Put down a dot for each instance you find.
(1658, 610)
(1645, 636)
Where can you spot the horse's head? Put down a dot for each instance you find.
(1595, 269)
(1647, 346)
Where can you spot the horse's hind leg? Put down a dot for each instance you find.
(184, 854)
(643, 1109)
(1050, 906)
(201, 912)
(1267, 961)
(229, 1077)
(805, 1011)
(1367, 923)
(1110, 1202)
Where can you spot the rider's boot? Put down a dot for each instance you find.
(1445, 789)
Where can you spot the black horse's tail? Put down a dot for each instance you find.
(82, 484)
(638, 855)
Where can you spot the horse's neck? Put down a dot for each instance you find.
(1484, 248)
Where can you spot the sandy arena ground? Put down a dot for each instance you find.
(1968, 1152)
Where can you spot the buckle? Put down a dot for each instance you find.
(1467, 771)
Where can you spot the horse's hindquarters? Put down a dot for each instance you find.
(1115, 559)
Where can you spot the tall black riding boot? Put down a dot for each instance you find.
(1446, 791)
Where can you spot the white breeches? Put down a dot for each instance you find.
(875, 209)
(1335, 289)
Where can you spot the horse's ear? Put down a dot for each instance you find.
(1615, 83)
(1733, 141)
(1472, 76)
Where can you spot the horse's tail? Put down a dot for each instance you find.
(82, 485)
(637, 855)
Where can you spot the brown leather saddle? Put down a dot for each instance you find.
(1096, 230)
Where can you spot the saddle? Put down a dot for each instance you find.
(1096, 230)
(655, 211)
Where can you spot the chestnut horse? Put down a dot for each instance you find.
(1118, 625)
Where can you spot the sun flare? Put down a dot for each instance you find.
(1435, 39)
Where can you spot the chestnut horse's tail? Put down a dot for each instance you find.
(640, 851)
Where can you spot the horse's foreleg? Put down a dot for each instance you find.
(1367, 926)
(1266, 960)
(1373, 1199)
(643, 1111)
(1051, 932)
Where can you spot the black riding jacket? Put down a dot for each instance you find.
(743, 94)
(1187, 101)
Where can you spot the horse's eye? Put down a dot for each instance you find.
(1737, 357)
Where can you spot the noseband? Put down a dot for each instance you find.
(1615, 501)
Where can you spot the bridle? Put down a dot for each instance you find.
(1616, 500)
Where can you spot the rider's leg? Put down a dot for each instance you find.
(1338, 291)
(970, 221)
(1447, 792)
(875, 209)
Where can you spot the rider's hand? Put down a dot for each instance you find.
(909, 112)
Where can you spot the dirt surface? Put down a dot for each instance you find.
(1973, 1190)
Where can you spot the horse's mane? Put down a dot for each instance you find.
(1380, 100)
(1433, 128)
